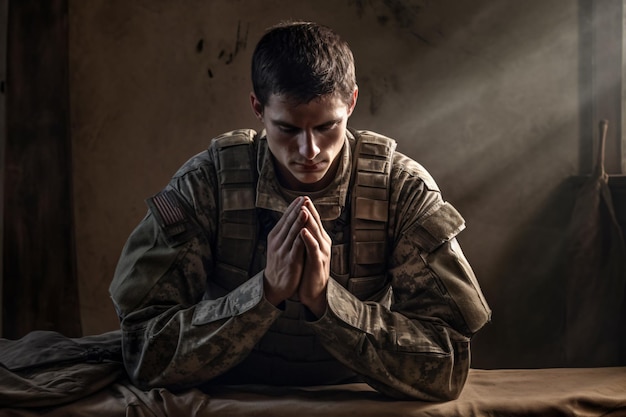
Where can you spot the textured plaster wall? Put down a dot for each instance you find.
(485, 94)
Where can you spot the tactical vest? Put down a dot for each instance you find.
(358, 259)
(238, 227)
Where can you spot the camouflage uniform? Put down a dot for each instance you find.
(186, 320)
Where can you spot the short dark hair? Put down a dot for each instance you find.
(302, 61)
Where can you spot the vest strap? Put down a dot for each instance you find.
(370, 207)
(237, 228)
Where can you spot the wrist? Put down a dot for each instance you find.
(272, 296)
(317, 306)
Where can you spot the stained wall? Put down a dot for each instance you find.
(485, 94)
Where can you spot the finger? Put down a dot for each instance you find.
(292, 239)
(315, 226)
(311, 224)
(308, 203)
(286, 221)
(291, 212)
(299, 245)
(311, 244)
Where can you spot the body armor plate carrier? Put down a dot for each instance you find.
(359, 264)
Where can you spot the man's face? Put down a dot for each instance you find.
(305, 139)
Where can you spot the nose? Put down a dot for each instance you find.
(307, 145)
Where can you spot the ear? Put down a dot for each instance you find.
(257, 107)
(355, 95)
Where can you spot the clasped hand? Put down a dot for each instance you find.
(298, 257)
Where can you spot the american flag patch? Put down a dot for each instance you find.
(172, 216)
(169, 208)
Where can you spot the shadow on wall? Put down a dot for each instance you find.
(561, 304)
(528, 299)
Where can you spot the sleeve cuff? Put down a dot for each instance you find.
(247, 296)
(343, 306)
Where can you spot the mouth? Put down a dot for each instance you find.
(310, 167)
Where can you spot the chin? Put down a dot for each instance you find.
(311, 179)
(304, 182)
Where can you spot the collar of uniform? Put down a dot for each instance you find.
(329, 202)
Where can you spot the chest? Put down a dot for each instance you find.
(239, 258)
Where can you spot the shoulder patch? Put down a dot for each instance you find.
(173, 217)
(438, 226)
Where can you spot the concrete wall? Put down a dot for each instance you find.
(485, 94)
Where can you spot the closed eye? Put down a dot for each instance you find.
(288, 129)
(285, 127)
(328, 126)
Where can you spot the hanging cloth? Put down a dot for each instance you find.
(595, 274)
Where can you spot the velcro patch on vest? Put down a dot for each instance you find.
(172, 217)
(368, 253)
(371, 209)
(368, 179)
(238, 199)
(372, 165)
(377, 147)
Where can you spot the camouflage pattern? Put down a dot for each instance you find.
(184, 325)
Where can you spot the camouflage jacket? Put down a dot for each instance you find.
(411, 340)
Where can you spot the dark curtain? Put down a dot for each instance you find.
(40, 289)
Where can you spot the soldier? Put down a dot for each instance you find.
(309, 253)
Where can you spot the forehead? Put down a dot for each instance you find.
(328, 105)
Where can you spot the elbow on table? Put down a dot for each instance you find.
(437, 380)
(142, 375)
(441, 387)
(446, 388)
(144, 365)
(451, 383)
(148, 377)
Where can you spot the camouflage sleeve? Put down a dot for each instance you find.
(419, 346)
(171, 336)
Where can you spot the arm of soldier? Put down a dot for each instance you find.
(171, 336)
(419, 347)
(407, 350)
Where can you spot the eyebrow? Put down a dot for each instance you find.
(281, 123)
